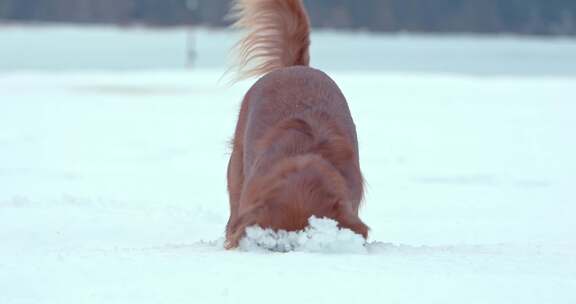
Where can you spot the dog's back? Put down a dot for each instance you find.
(277, 46)
(297, 92)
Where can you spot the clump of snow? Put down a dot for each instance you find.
(321, 236)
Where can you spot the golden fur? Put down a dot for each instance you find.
(278, 35)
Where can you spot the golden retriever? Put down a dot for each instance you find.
(295, 150)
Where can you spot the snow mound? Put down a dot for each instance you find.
(321, 236)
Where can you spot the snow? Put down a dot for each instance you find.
(112, 179)
(321, 236)
(102, 48)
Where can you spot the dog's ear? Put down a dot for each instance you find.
(348, 219)
(337, 150)
(255, 216)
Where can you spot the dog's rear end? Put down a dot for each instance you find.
(295, 152)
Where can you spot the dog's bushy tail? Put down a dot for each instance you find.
(278, 35)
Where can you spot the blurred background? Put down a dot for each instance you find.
(539, 17)
(491, 37)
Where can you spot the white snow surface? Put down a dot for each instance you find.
(321, 236)
(113, 189)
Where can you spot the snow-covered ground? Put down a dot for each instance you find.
(112, 180)
(70, 48)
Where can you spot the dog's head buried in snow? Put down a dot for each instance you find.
(294, 190)
(295, 150)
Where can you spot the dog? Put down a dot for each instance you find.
(295, 148)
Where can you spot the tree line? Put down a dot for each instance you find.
(540, 17)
